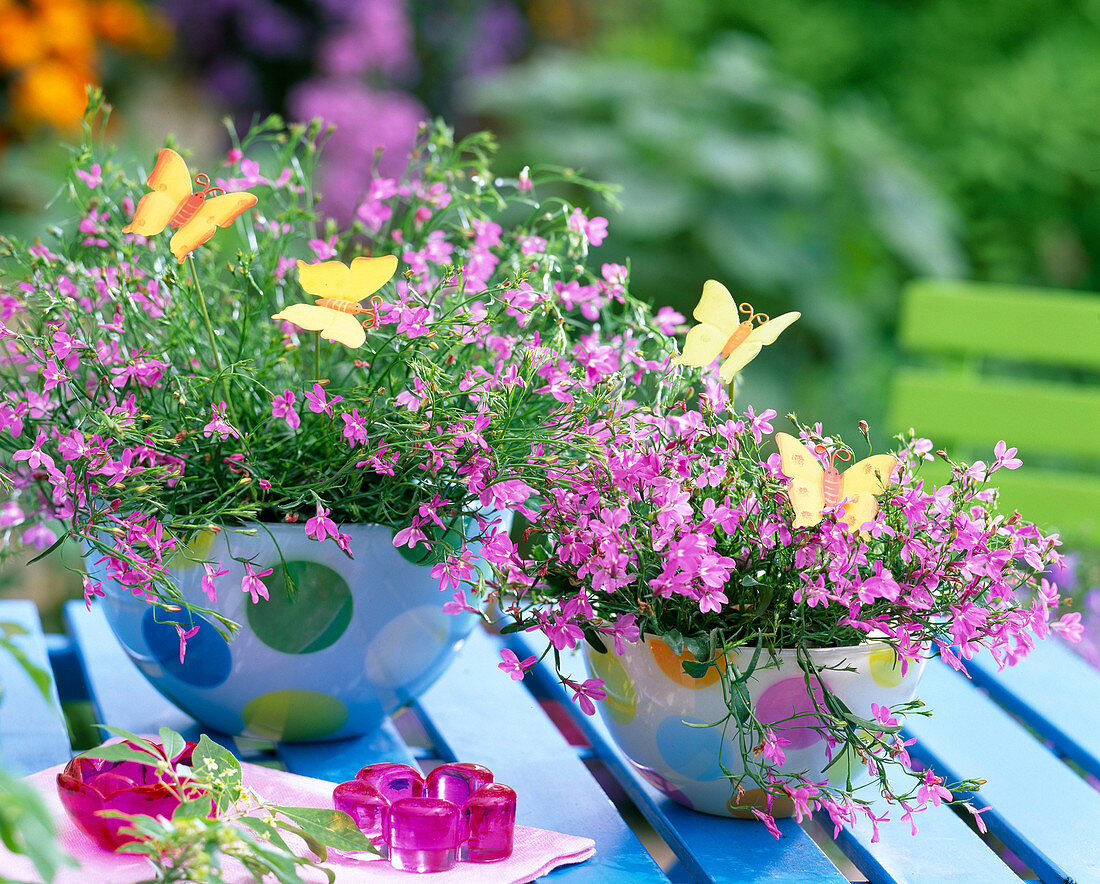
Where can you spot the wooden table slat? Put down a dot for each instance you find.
(1054, 691)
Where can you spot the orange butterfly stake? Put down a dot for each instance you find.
(721, 332)
(814, 487)
(194, 216)
(338, 289)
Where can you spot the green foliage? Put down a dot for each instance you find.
(733, 170)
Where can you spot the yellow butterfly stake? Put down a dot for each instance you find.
(814, 487)
(721, 332)
(338, 289)
(195, 216)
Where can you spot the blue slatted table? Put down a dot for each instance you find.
(1017, 729)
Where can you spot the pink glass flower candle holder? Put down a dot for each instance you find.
(88, 786)
(393, 781)
(490, 822)
(423, 834)
(365, 805)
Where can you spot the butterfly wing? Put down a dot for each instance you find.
(860, 509)
(806, 491)
(169, 185)
(868, 476)
(861, 483)
(332, 324)
(329, 279)
(716, 307)
(767, 332)
(344, 329)
(215, 212)
(739, 358)
(702, 346)
(717, 316)
(368, 275)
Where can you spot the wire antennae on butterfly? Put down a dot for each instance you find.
(752, 316)
(371, 322)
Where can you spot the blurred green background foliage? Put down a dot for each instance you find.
(813, 155)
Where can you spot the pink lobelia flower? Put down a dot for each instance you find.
(218, 425)
(584, 694)
(283, 406)
(184, 636)
(207, 583)
(318, 404)
(514, 667)
(321, 526)
(251, 582)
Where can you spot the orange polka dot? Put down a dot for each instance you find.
(672, 665)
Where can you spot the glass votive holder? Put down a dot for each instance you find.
(365, 805)
(88, 786)
(456, 782)
(393, 781)
(423, 834)
(490, 818)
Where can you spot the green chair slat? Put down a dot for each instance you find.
(1031, 325)
(1035, 416)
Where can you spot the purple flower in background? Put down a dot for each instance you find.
(365, 121)
(375, 36)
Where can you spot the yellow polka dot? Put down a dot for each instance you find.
(886, 668)
(621, 702)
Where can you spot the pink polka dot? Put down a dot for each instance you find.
(788, 702)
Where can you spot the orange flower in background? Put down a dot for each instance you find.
(50, 50)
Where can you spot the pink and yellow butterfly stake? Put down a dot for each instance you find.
(171, 203)
(338, 290)
(721, 332)
(813, 487)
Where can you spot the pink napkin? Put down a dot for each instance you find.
(536, 853)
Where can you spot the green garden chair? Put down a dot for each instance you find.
(986, 362)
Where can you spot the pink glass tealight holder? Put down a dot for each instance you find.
(393, 781)
(490, 818)
(87, 786)
(365, 805)
(423, 834)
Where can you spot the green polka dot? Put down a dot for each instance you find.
(310, 617)
(294, 715)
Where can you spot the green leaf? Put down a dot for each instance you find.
(739, 701)
(172, 742)
(60, 540)
(593, 638)
(333, 828)
(122, 752)
(697, 670)
(196, 807)
(698, 646)
(315, 847)
(215, 765)
(509, 628)
(675, 641)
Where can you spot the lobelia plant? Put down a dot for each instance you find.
(683, 530)
(153, 390)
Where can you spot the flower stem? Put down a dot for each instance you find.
(210, 333)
